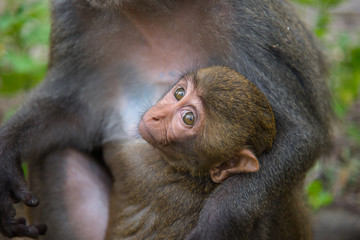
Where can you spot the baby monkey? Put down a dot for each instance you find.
(212, 124)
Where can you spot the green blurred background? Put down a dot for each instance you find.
(335, 180)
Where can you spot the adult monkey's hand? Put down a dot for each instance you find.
(13, 189)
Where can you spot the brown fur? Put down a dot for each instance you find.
(159, 195)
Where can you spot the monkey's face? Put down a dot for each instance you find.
(176, 118)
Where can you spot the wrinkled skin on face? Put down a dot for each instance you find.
(177, 117)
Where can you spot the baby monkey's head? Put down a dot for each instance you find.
(213, 120)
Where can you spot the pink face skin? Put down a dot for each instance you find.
(164, 123)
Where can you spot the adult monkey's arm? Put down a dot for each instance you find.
(287, 65)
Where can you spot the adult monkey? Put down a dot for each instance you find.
(104, 54)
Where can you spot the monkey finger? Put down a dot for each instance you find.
(31, 201)
(42, 228)
(20, 220)
(20, 193)
(24, 195)
(13, 229)
(17, 227)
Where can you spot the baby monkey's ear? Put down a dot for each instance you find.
(245, 161)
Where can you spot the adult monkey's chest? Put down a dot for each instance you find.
(156, 52)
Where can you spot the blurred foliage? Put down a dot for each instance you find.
(9, 114)
(317, 195)
(346, 74)
(344, 52)
(24, 40)
(339, 172)
(323, 16)
(353, 132)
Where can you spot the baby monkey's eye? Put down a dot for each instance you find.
(179, 93)
(189, 118)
